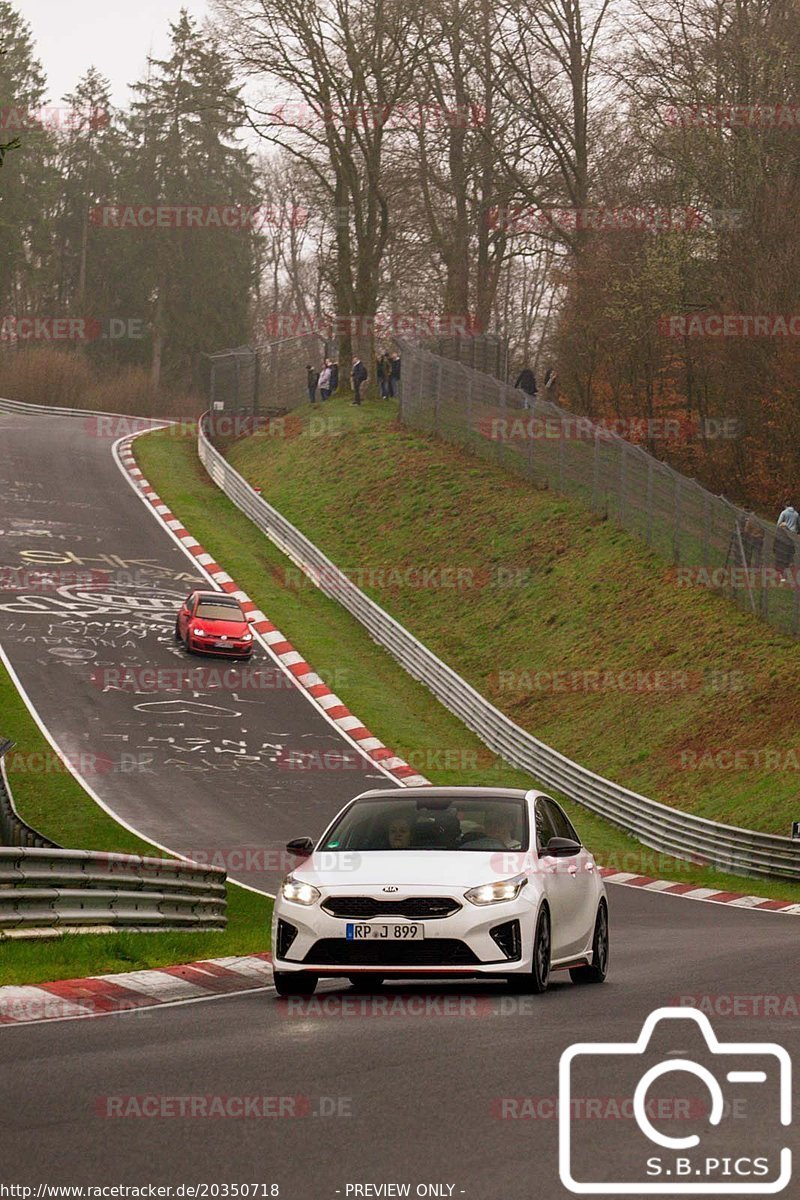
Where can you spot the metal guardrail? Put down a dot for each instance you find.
(13, 830)
(44, 889)
(56, 410)
(683, 835)
(50, 890)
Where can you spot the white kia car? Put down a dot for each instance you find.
(442, 882)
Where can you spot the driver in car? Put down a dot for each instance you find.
(501, 827)
(399, 834)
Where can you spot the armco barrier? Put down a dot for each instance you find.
(683, 835)
(13, 830)
(44, 890)
(55, 410)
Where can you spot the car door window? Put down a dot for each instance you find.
(544, 825)
(560, 822)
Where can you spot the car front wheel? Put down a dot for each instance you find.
(597, 972)
(537, 979)
(295, 983)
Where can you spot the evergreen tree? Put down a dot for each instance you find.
(196, 282)
(29, 181)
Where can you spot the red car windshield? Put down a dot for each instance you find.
(208, 610)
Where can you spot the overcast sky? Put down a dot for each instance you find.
(113, 35)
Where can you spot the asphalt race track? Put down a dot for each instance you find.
(451, 1085)
(413, 1098)
(205, 771)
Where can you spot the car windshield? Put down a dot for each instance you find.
(437, 823)
(212, 610)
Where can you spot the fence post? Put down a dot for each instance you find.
(676, 528)
(623, 471)
(531, 431)
(436, 393)
(649, 534)
(596, 468)
(469, 407)
(561, 440)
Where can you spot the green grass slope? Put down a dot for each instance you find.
(554, 606)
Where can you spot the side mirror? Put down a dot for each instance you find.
(559, 847)
(301, 847)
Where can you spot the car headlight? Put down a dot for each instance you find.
(298, 892)
(247, 637)
(198, 632)
(495, 893)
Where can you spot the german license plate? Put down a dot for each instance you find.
(369, 931)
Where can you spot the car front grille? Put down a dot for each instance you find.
(433, 952)
(415, 908)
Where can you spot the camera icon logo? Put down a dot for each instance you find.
(703, 1123)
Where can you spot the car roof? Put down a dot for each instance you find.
(458, 793)
(221, 597)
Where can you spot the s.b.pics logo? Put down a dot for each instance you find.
(709, 1117)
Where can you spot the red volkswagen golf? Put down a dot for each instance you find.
(214, 623)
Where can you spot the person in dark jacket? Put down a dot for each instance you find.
(312, 379)
(334, 376)
(526, 382)
(359, 376)
(394, 383)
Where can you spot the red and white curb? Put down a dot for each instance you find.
(690, 891)
(279, 646)
(100, 995)
(340, 714)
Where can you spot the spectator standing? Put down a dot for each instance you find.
(394, 383)
(788, 523)
(325, 380)
(790, 517)
(334, 375)
(526, 382)
(312, 379)
(359, 377)
(384, 364)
